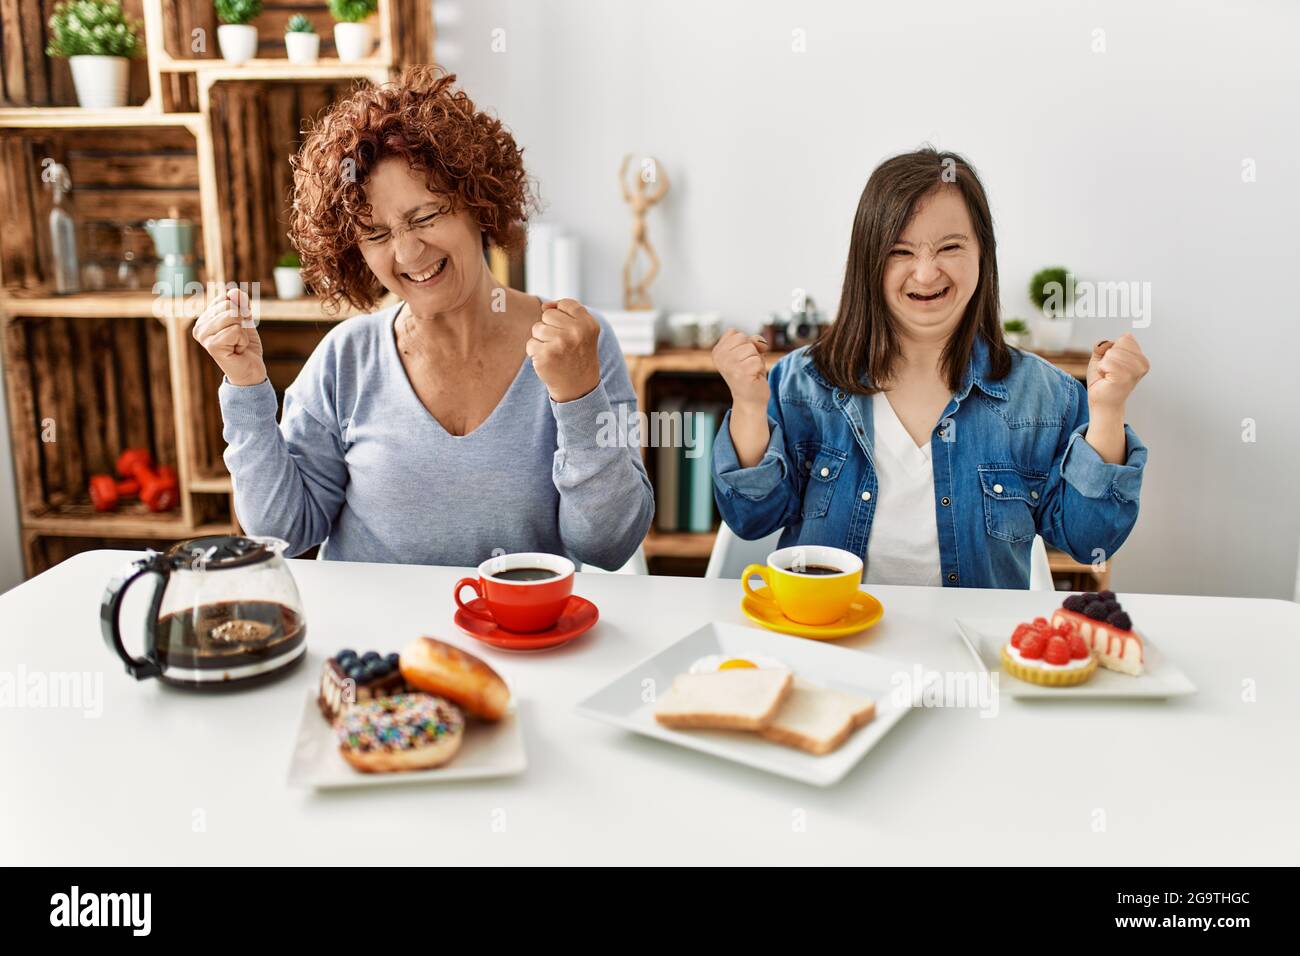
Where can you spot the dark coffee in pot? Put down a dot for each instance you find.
(228, 634)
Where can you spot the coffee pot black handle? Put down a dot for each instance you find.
(110, 612)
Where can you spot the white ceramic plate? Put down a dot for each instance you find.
(1160, 677)
(628, 701)
(488, 750)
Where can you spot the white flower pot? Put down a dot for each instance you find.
(302, 47)
(1053, 335)
(100, 81)
(238, 42)
(288, 282)
(353, 41)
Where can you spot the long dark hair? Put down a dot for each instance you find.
(863, 340)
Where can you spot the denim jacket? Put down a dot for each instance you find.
(1010, 461)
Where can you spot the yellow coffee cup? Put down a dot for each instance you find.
(809, 584)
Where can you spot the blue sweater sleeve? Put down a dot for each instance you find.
(606, 502)
(765, 497)
(289, 481)
(1090, 505)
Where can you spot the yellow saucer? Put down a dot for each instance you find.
(863, 612)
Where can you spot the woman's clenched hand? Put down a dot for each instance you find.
(563, 348)
(226, 331)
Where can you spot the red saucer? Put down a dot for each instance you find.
(578, 616)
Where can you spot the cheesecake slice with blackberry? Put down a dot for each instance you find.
(1105, 627)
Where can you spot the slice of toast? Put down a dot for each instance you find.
(742, 699)
(818, 719)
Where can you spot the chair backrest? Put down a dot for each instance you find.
(1040, 569)
(731, 554)
(635, 565)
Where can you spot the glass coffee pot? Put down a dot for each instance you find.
(225, 612)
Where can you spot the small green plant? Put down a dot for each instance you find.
(237, 11)
(299, 24)
(289, 260)
(1015, 326)
(92, 28)
(1052, 290)
(352, 11)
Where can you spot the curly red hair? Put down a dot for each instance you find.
(467, 155)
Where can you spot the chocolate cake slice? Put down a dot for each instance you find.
(348, 679)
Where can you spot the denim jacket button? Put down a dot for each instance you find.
(825, 472)
(997, 489)
(807, 466)
(839, 396)
(945, 501)
(866, 496)
(952, 577)
(1034, 495)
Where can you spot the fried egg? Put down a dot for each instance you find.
(721, 662)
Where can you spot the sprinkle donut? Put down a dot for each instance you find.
(401, 732)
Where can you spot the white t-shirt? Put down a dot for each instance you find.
(904, 544)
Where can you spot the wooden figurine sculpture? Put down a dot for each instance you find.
(637, 296)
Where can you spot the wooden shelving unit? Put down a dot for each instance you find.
(91, 373)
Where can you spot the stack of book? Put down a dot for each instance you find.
(637, 331)
(682, 433)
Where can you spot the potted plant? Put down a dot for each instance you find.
(353, 36)
(288, 277)
(1016, 333)
(236, 35)
(98, 40)
(301, 41)
(1052, 292)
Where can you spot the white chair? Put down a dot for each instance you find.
(1040, 570)
(731, 554)
(635, 565)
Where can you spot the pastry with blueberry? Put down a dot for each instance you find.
(350, 678)
(1105, 627)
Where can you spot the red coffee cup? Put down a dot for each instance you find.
(524, 592)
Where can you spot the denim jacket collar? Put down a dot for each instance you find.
(978, 371)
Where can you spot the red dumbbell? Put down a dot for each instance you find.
(159, 489)
(105, 493)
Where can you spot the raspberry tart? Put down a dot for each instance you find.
(1054, 656)
(1105, 627)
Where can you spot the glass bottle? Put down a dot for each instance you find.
(63, 230)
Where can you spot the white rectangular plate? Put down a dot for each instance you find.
(488, 750)
(1160, 677)
(623, 702)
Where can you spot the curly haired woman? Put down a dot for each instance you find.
(462, 421)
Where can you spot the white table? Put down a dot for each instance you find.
(168, 776)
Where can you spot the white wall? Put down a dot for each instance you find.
(1123, 165)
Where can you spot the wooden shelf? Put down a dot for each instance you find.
(107, 304)
(276, 69)
(308, 309)
(129, 521)
(75, 117)
(1074, 364)
(212, 484)
(679, 544)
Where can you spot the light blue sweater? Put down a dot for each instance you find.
(357, 459)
